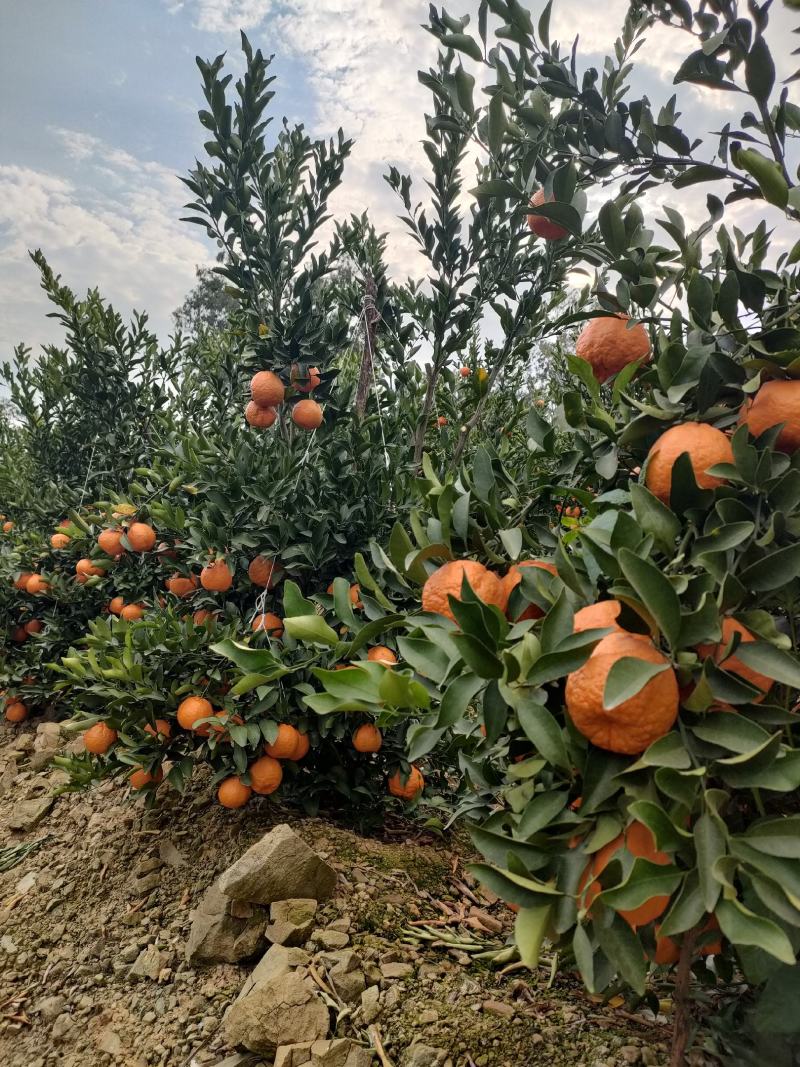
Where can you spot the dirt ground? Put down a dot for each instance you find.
(109, 879)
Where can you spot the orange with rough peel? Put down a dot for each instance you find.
(268, 623)
(267, 389)
(446, 582)
(86, 568)
(705, 445)
(541, 226)
(303, 745)
(181, 586)
(638, 721)
(233, 793)
(191, 710)
(21, 583)
(607, 344)
(111, 542)
(307, 414)
(598, 616)
(265, 571)
(775, 402)
(733, 664)
(409, 789)
(513, 579)
(116, 604)
(258, 417)
(382, 654)
(639, 841)
(266, 774)
(285, 744)
(59, 540)
(367, 738)
(141, 537)
(216, 577)
(465, 371)
(35, 626)
(99, 738)
(16, 711)
(132, 612)
(304, 382)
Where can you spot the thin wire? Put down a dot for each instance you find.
(88, 472)
(375, 381)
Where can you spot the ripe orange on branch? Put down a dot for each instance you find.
(307, 414)
(304, 383)
(181, 586)
(258, 417)
(59, 540)
(513, 579)
(705, 445)
(162, 730)
(99, 738)
(16, 711)
(639, 841)
(191, 710)
(141, 537)
(775, 402)
(268, 623)
(110, 541)
(541, 226)
(382, 654)
(447, 580)
(608, 344)
(266, 774)
(367, 738)
(732, 663)
(216, 577)
(132, 612)
(265, 572)
(409, 789)
(638, 721)
(141, 779)
(233, 793)
(286, 744)
(36, 584)
(267, 389)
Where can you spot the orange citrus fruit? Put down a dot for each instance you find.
(162, 730)
(733, 664)
(513, 578)
(191, 710)
(86, 568)
(266, 774)
(705, 445)
(22, 582)
(181, 586)
(141, 778)
(638, 721)
(216, 576)
(110, 541)
(446, 582)
(116, 604)
(639, 841)
(233, 793)
(608, 345)
(307, 414)
(16, 711)
(36, 584)
(141, 537)
(409, 789)
(269, 623)
(258, 417)
(267, 389)
(382, 654)
(59, 540)
(775, 402)
(541, 226)
(99, 738)
(35, 626)
(304, 383)
(265, 571)
(132, 612)
(367, 738)
(285, 744)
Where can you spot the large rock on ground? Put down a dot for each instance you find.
(340, 1052)
(280, 866)
(281, 1010)
(220, 933)
(278, 960)
(27, 814)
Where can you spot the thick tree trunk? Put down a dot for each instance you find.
(370, 327)
(682, 1027)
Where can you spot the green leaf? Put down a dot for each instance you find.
(584, 957)
(710, 844)
(427, 658)
(627, 677)
(358, 683)
(564, 215)
(687, 909)
(645, 880)
(612, 227)
(759, 71)
(249, 682)
(543, 731)
(495, 847)
(624, 950)
(654, 517)
(768, 175)
(771, 1016)
(513, 888)
(540, 812)
(370, 631)
(530, 927)
(294, 603)
(478, 657)
(743, 927)
(772, 661)
(497, 122)
(252, 660)
(773, 571)
(399, 690)
(462, 42)
(668, 836)
(512, 541)
(497, 187)
(776, 837)
(457, 697)
(366, 581)
(311, 628)
(733, 732)
(655, 591)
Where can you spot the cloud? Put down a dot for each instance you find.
(115, 226)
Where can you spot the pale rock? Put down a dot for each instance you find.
(291, 921)
(338, 1052)
(27, 814)
(280, 866)
(279, 1011)
(278, 960)
(370, 1005)
(148, 964)
(420, 1055)
(396, 970)
(216, 936)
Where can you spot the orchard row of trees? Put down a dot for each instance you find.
(338, 546)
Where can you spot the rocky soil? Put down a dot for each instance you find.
(95, 921)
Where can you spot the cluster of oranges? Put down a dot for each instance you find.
(268, 393)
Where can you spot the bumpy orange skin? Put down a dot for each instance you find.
(733, 664)
(608, 345)
(465, 371)
(265, 572)
(116, 604)
(775, 402)
(233, 793)
(99, 738)
(36, 584)
(706, 447)
(191, 710)
(267, 389)
(21, 583)
(304, 383)
(216, 577)
(598, 616)
(181, 586)
(86, 568)
(268, 623)
(286, 744)
(441, 421)
(307, 414)
(409, 790)
(639, 841)
(367, 738)
(447, 580)
(266, 775)
(59, 540)
(16, 711)
(638, 721)
(141, 537)
(542, 227)
(513, 578)
(203, 615)
(260, 418)
(382, 654)
(111, 542)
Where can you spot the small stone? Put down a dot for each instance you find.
(396, 970)
(27, 814)
(170, 855)
(280, 866)
(331, 939)
(425, 1018)
(108, 1040)
(649, 1057)
(348, 984)
(342, 960)
(129, 953)
(291, 921)
(147, 866)
(497, 1007)
(61, 1027)
(339, 1052)
(148, 964)
(216, 936)
(370, 1005)
(420, 1055)
(50, 1007)
(278, 1011)
(630, 1054)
